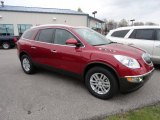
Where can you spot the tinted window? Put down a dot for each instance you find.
(143, 34)
(45, 35)
(28, 34)
(158, 35)
(120, 33)
(61, 36)
(133, 35)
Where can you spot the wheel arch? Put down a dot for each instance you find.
(108, 67)
(23, 53)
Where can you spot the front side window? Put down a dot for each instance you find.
(120, 33)
(158, 35)
(45, 35)
(6, 30)
(146, 34)
(23, 27)
(61, 36)
(92, 37)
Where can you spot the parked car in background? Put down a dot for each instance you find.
(144, 37)
(6, 40)
(105, 67)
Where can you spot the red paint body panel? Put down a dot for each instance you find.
(75, 59)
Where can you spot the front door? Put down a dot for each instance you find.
(68, 57)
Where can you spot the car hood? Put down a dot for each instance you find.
(121, 49)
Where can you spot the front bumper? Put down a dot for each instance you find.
(127, 86)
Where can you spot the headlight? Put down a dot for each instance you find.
(128, 61)
(147, 58)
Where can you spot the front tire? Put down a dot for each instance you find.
(101, 83)
(27, 64)
(6, 45)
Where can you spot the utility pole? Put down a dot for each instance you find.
(94, 13)
(132, 20)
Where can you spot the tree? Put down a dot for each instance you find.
(79, 10)
(111, 24)
(123, 23)
(138, 24)
(105, 26)
(150, 23)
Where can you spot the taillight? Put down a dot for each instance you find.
(15, 39)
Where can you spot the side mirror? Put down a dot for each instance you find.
(72, 42)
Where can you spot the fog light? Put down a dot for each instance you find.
(135, 79)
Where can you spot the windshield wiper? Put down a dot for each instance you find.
(99, 44)
(112, 42)
(105, 43)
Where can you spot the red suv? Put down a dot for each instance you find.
(105, 66)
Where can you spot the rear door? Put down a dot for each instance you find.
(156, 51)
(43, 46)
(142, 38)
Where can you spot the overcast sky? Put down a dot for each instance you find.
(140, 10)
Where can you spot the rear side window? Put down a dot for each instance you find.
(45, 35)
(133, 35)
(147, 34)
(120, 33)
(28, 34)
(61, 36)
(158, 35)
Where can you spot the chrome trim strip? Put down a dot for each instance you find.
(142, 74)
(54, 44)
(51, 43)
(83, 45)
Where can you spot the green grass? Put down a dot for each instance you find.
(146, 113)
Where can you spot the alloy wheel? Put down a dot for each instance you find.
(6, 46)
(100, 83)
(26, 64)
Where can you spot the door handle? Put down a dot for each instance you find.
(33, 47)
(53, 51)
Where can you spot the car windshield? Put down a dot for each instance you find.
(92, 37)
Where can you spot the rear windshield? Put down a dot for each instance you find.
(28, 34)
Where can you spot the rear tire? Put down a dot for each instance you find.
(101, 83)
(6, 45)
(27, 64)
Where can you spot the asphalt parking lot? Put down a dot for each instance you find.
(51, 96)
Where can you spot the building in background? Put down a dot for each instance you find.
(96, 24)
(16, 19)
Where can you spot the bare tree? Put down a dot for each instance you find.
(150, 23)
(123, 23)
(105, 26)
(138, 24)
(111, 24)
